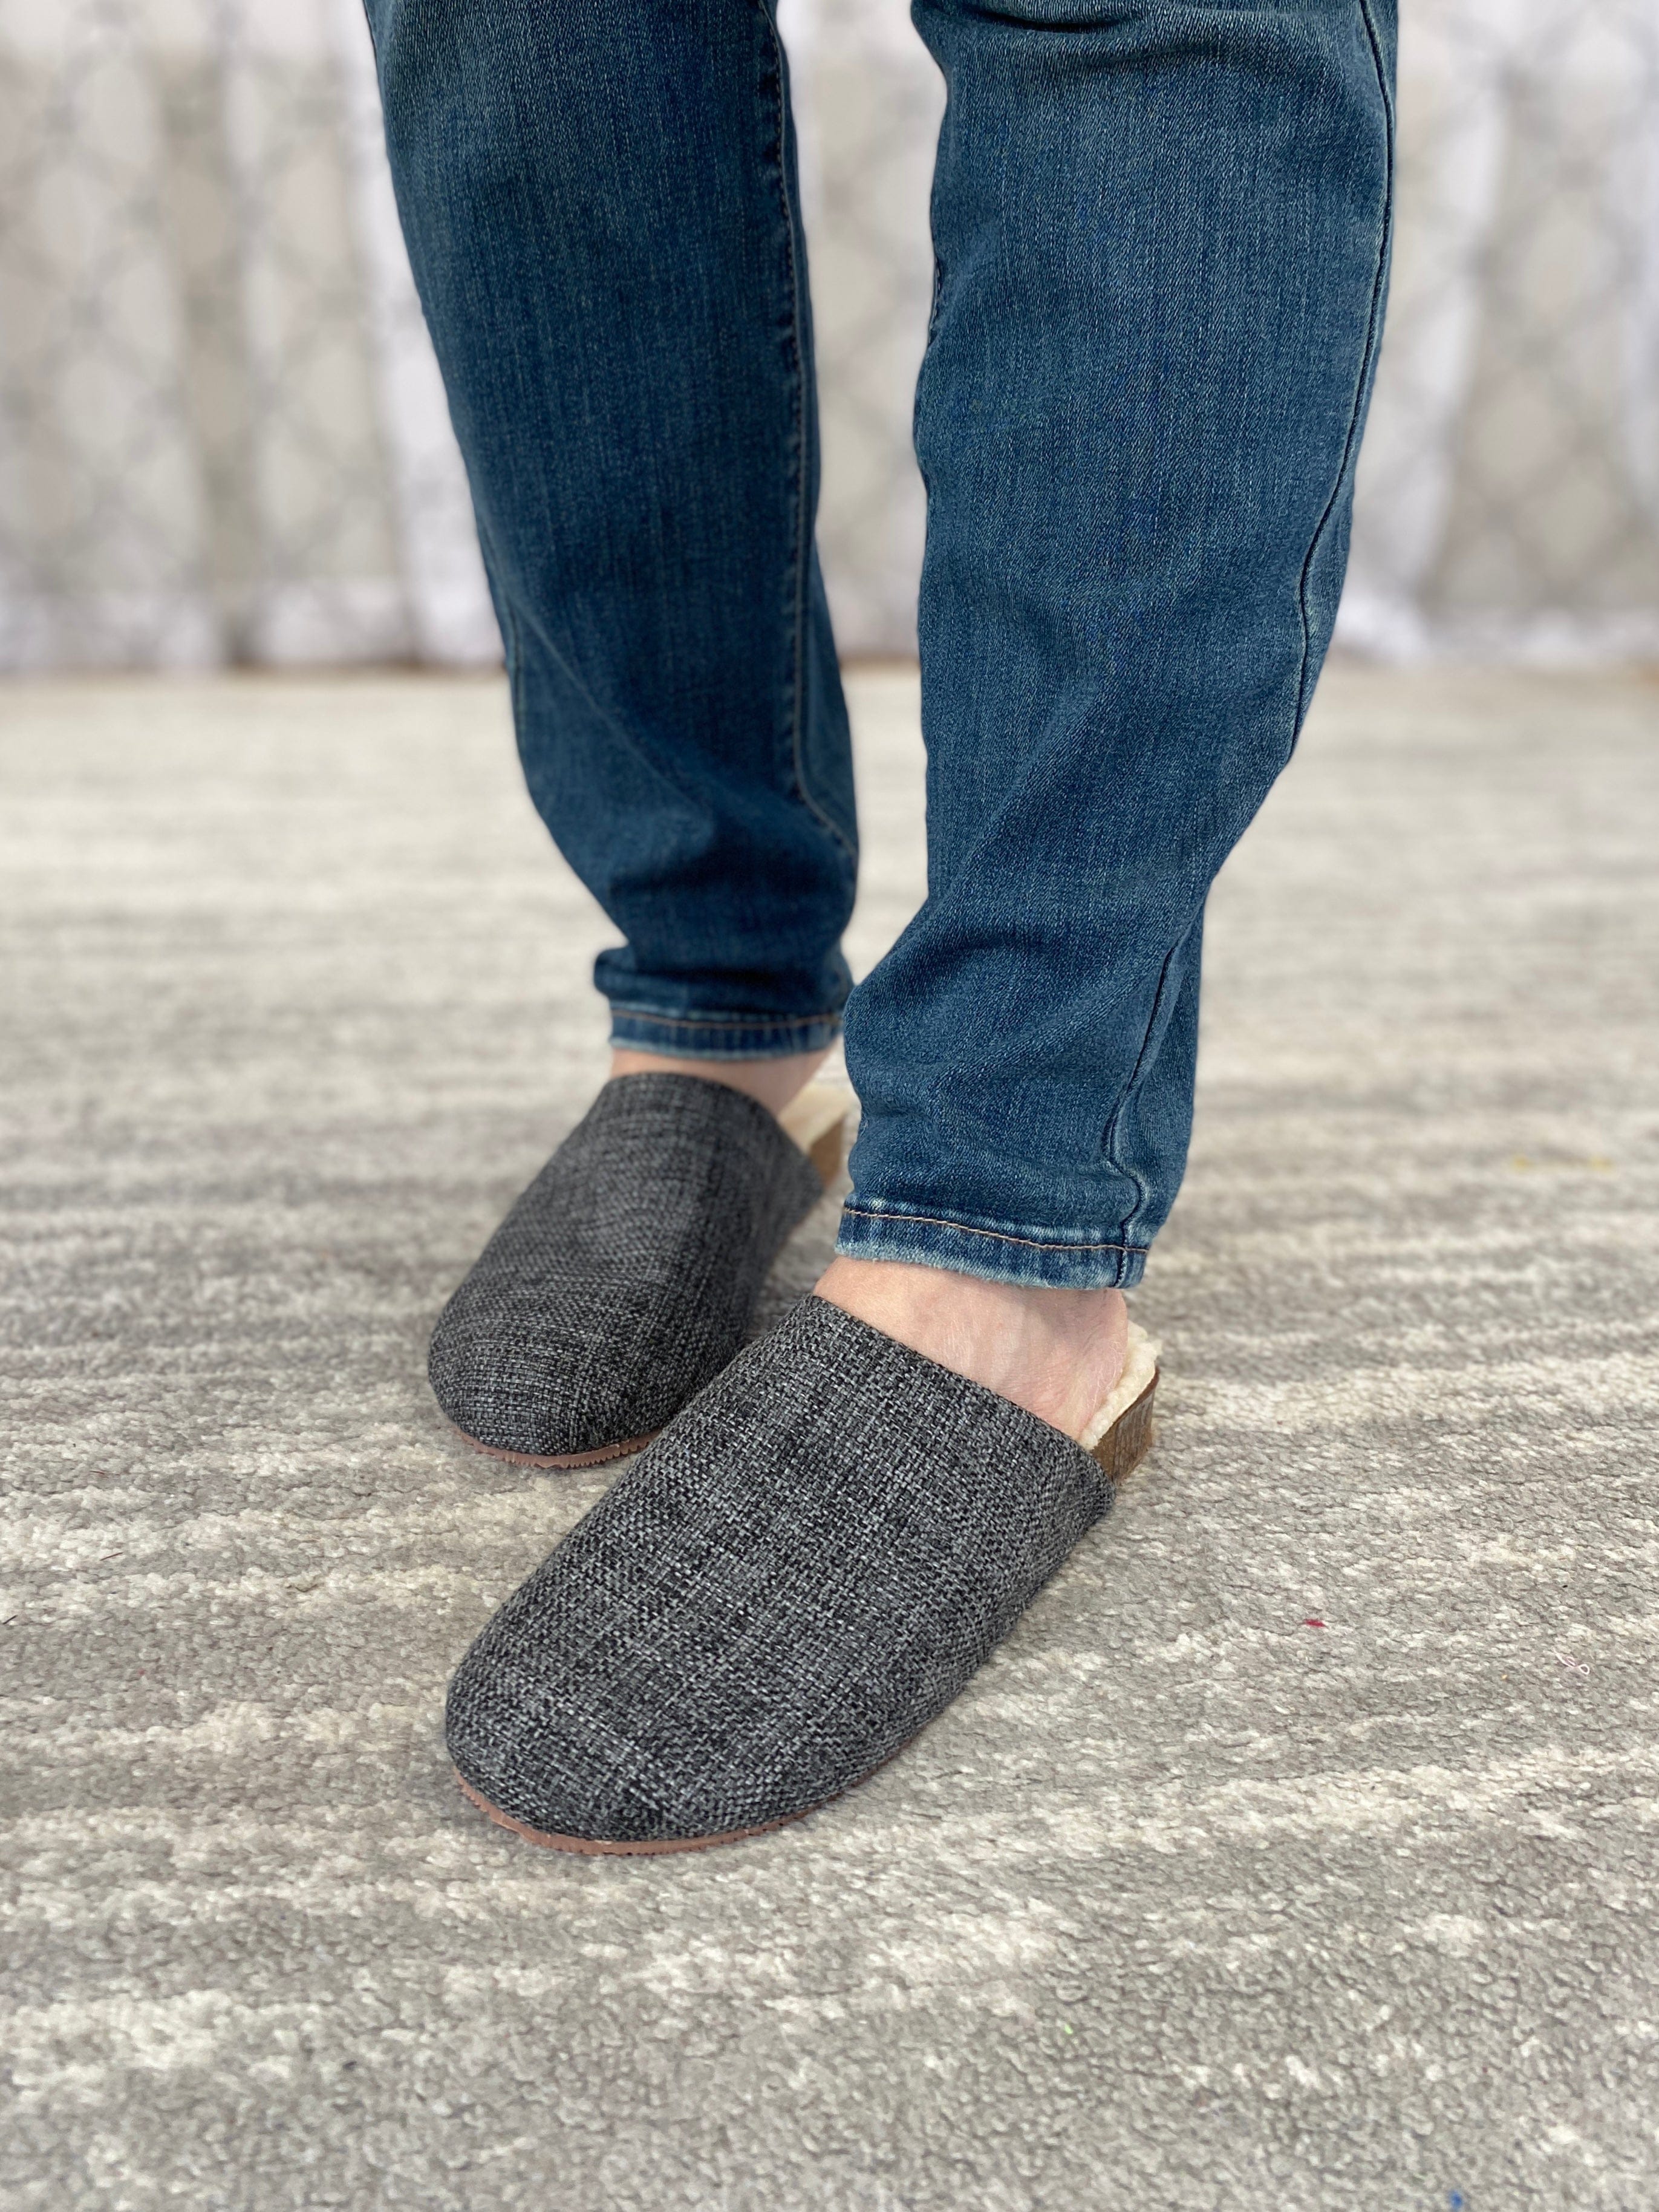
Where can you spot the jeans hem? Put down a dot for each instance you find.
(722, 1035)
(1001, 1252)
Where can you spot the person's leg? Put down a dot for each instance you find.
(601, 211)
(1163, 234)
(1162, 237)
(601, 205)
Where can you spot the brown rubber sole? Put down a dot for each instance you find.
(558, 1459)
(589, 1847)
(1119, 1452)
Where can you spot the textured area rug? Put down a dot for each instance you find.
(1299, 1850)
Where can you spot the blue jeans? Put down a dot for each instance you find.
(1161, 234)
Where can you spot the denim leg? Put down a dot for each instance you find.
(600, 204)
(1162, 234)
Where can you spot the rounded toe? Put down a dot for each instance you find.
(540, 1758)
(512, 1386)
(801, 1572)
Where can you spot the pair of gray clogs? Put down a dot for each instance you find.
(825, 1539)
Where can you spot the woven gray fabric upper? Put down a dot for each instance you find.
(624, 1278)
(801, 1573)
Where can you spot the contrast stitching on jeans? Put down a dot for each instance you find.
(803, 449)
(1367, 357)
(999, 1235)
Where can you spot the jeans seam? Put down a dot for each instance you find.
(1109, 1140)
(1367, 358)
(997, 1236)
(803, 467)
(511, 652)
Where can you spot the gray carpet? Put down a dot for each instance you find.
(1298, 1850)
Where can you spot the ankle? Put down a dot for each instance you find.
(1059, 1353)
(774, 1082)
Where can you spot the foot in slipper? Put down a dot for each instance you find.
(803, 1569)
(624, 1278)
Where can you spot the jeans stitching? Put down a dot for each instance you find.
(803, 447)
(722, 1021)
(997, 1235)
(512, 649)
(1108, 1141)
(1367, 357)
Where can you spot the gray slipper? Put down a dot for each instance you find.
(624, 1277)
(800, 1572)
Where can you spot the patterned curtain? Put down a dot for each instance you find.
(222, 437)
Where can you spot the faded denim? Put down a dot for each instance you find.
(1161, 239)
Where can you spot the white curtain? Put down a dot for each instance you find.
(223, 435)
(1508, 488)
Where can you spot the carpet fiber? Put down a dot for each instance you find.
(1297, 1849)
